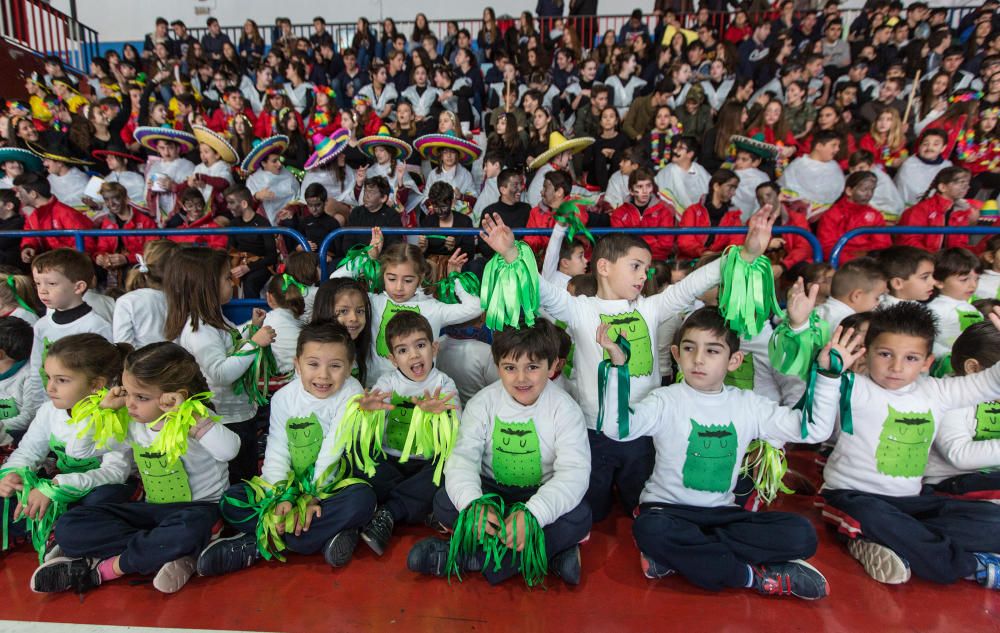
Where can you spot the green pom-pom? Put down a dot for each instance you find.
(255, 380)
(359, 436)
(172, 439)
(361, 265)
(532, 560)
(446, 287)
(468, 538)
(105, 424)
(792, 353)
(746, 296)
(510, 289)
(568, 213)
(767, 466)
(431, 435)
(262, 500)
(38, 529)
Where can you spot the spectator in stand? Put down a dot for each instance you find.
(714, 210)
(183, 40)
(320, 36)
(212, 41)
(158, 36)
(943, 204)
(850, 212)
(34, 192)
(754, 50)
(251, 47)
(836, 52)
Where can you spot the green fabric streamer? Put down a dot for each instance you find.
(172, 439)
(46, 344)
(942, 367)
(256, 378)
(467, 539)
(104, 424)
(568, 213)
(767, 466)
(288, 281)
(603, 373)
(359, 436)
(746, 295)
(262, 500)
(446, 287)
(41, 529)
(360, 263)
(532, 560)
(808, 399)
(792, 353)
(431, 435)
(20, 300)
(510, 289)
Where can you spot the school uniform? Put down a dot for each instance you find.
(964, 460)
(139, 317)
(465, 353)
(57, 324)
(286, 328)
(953, 316)
(18, 402)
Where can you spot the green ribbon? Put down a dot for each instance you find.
(603, 373)
(467, 538)
(172, 439)
(359, 436)
(767, 466)
(20, 300)
(568, 213)
(288, 281)
(46, 344)
(39, 529)
(360, 264)
(105, 424)
(746, 296)
(254, 381)
(793, 353)
(446, 286)
(532, 560)
(510, 289)
(808, 399)
(431, 435)
(942, 367)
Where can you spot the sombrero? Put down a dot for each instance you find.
(116, 149)
(58, 150)
(270, 145)
(559, 144)
(430, 145)
(216, 141)
(66, 82)
(30, 160)
(149, 136)
(401, 148)
(989, 214)
(327, 148)
(756, 147)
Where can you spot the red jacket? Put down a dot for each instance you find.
(131, 244)
(542, 219)
(692, 246)
(218, 185)
(56, 216)
(845, 216)
(797, 248)
(883, 154)
(219, 120)
(657, 215)
(934, 211)
(212, 241)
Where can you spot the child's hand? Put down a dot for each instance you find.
(994, 317)
(281, 510)
(375, 400)
(614, 352)
(376, 243)
(302, 524)
(422, 242)
(457, 261)
(492, 521)
(203, 426)
(38, 504)
(515, 531)
(498, 236)
(114, 398)
(800, 303)
(10, 484)
(257, 317)
(759, 232)
(436, 402)
(849, 344)
(264, 336)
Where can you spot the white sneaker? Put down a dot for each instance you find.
(174, 574)
(881, 563)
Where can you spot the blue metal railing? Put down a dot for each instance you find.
(907, 230)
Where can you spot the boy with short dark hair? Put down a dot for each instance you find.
(917, 172)
(18, 403)
(909, 274)
(564, 259)
(373, 211)
(645, 209)
(956, 275)
(857, 287)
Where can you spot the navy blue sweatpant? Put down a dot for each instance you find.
(111, 493)
(349, 508)
(712, 547)
(406, 489)
(971, 486)
(934, 534)
(625, 465)
(145, 535)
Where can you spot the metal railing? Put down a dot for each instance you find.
(907, 230)
(37, 26)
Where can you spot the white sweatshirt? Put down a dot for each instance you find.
(286, 330)
(470, 362)
(315, 423)
(894, 429)
(28, 317)
(103, 305)
(700, 438)
(543, 445)
(989, 285)
(402, 389)
(968, 441)
(18, 401)
(953, 316)
(48, 330)
(550, 264)
(213, 349)
(139, 317)
(833, 311)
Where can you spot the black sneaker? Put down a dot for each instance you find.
(226, 555)
(340, 548)
(794, 578)
(430, 556)
(63, 574)
(379, 530)
(566, 565)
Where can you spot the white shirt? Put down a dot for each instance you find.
(469, 362)
(48, 330)
(139, 317)
(966, 443)
(134, 185)
(989, 285)
(177, 170)
(683, 186)
(953, 316)
(819, 183)
(745, 198)
(833, 311)
(69, 187)
(286, 329)
(283, 185)
(218, 169)
(914, 177)
(19, 400)
(213, 349)
(103, 305)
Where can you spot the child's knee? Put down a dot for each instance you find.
(444, 510)
(799, 536)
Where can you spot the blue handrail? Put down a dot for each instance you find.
(324, 248)
(907, 230)
(79, 234)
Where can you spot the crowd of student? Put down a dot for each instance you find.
(444, 379)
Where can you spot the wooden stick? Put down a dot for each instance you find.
(913, 94)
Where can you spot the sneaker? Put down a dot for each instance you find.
(988, 569)
(652, 569)
(567, 565)
(379, 530)
(174, 574)
(226, 555)
(63, 574)
(340, 548)
(430, 556)
(880, 562)
(794, 578)
(52, 552)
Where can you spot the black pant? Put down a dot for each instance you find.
(712, 547)
(626, 465)
(351, 507)
(111, 493)
(935, 535)
(406, 489)
(244, 465)
(254, 281)
(971, 486)
(560, 535)
(145, 535)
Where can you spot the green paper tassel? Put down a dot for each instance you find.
(808, 399)
(446, 287)
(467, 540)
(793, 353)
(767, 466)
(254, 381)
(105, 424)
(532, 560)
(624, 380)
(746, 295)
(942, 367)
(431, 435)
(172, 439)
(361, 265)
(262, 500)
(568, 213)
(46, 344)
(510, 289)
(359, 436)
(40, 529)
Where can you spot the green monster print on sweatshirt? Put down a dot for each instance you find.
(633, 327)
(391, 310)
(305, 436)
(711, 457)
(967, 318)
(8, 408)
(742, 377)
(67, 464)
(904, 443)
(517, 456)
(163, 482)
(987, 422)
(397, 421)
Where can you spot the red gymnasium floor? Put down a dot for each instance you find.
(381, 595)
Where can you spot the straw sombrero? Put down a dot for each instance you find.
(559, 144)
(58, 150)
(399, 147)
(149, 136)
(757, 147)
(116, 149)
(216, 141)
(30, 160)
(327, 148)
(270, 145)
(429, 146)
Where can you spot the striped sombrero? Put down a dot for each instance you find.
(270, 145)
(30, 160)
(399, 147)
(327, 148)
(430, 146)
(58, 150)
(755, 146)
(216, 141)
(149, 136)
